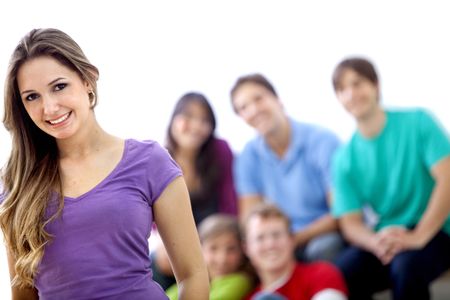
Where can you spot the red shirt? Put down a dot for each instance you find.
(309, 279)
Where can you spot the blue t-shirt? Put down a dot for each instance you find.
(100, 245)
(391, 172)
(299, 182)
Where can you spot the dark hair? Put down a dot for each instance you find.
(252, 78)
(360, 65)
(205, 162)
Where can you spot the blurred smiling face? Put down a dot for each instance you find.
(258, 107)
(269, 244)
(358, 95)
(191, 127)
(223, 254)
(54, 96)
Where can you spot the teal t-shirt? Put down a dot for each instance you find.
(391, 172)
(234, 286)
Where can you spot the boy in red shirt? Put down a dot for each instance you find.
(270, 247)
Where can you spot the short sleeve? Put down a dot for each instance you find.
(324, 275)
(326, 146)
(345, 196)
(161, 170)
(434, 139)
(246, 174)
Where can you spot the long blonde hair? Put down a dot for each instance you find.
(31, 175)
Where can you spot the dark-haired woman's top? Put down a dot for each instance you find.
(221, 198)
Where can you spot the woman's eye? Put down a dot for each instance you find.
(60, 86)
(31, 97)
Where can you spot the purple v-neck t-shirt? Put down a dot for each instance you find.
(100, 243)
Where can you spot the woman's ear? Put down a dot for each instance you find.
(88, 86)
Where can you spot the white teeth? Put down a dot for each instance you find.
(59, 120)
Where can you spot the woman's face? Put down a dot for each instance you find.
(54, 96)
(357, 94)
(223, 254)
(191, 127)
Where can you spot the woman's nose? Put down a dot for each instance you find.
(50, 105)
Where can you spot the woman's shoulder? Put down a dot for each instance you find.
(142, 143)
(221, 144)
(146, 153)
(221, 148)
(150, 163)
(134, 147)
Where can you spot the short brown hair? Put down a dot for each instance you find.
(360, 65)
(255, 78)
(266, 211)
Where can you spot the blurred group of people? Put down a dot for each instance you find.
(286, 218)
(395, 168)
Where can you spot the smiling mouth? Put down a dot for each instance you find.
(60, 119)
(258, 120)
(272, 254)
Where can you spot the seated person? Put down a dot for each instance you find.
(206, 162)
(397, 163)
(288, 164)
(269, 244)
(222, 249)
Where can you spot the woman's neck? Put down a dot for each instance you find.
(84, 143)
(185, 155)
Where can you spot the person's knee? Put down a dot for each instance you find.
(406, 269)
(409, 277)
(324, 247)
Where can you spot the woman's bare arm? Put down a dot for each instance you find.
(16, 292)
(173, 216)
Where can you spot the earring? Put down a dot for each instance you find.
(92, 98)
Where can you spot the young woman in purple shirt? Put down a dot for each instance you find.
(78, 203)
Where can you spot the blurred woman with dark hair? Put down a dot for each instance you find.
(206, 162)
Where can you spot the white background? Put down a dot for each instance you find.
(151, 52)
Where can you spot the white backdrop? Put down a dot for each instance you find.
(151, 52)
